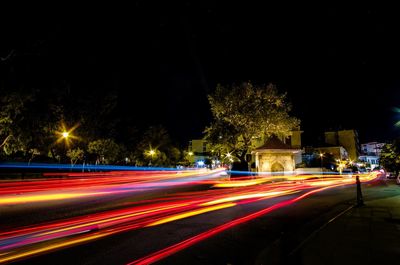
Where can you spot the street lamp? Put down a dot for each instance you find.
(190, 154)
(321, 155)
(340, 165)
(65, 135)
(151, 153)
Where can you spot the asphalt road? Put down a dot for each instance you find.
(268, 239)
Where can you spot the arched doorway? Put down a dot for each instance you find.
(277, 168)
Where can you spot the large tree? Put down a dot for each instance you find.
(157, 140)
(390, 157)
(105, 150)
(245, 112)
(13, 109)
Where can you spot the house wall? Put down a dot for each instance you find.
(338, 152)
(199, 149)
(266, 160)
(346, 138)
(349, 140)
(373, 148)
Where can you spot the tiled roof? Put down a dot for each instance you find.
(274, 143)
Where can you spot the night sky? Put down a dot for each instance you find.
(338, 64)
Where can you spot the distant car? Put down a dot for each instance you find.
(398, 180)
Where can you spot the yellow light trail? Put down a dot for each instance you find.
(111, 219)
(46, 197)
(51, 247)
(247, 196)
(191, 213)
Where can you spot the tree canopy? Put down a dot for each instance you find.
(390, 156)
(157, 140)
(242, 113)
(35, 112)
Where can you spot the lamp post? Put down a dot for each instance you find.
(190, 158)
(321, 155)
(151, 153)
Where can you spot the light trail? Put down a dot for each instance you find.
(161, 254)
(109, 183)
(26, 241)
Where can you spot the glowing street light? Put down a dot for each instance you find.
(66, 135)
(321, 155)
(151, 153)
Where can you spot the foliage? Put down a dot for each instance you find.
(390, 156)
(157, 138)
(32, 105)
(13, 136)
(33, 152)
(75, 155)
(31, 119)
(242, 113)
(105, 150)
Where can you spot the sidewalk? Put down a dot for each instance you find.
(364, 235)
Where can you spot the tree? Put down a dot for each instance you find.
(32, 106)
(164, 153)
(105, 150)
(243, 113)
(75, 155)
(390, 157)
(13, 136)
(33, 152)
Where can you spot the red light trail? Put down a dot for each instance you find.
(23, 242)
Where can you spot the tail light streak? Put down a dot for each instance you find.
(26, 241)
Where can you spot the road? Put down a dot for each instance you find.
(201, 220)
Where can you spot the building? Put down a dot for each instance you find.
(370, 153)
(372, 149)
(372, 161)
(286, 152)
(198, 152)
(338, 152)
(276, 156)
(346, 138)
(293, 140)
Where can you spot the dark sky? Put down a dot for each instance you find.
(339, 64)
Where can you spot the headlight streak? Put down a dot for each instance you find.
(24, 242)
(191, 213)
(22, 192)
(161, 254)
(46, 197)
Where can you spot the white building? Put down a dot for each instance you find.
(371, 148)
(276, 156)
(372, 160)
(198, 152)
